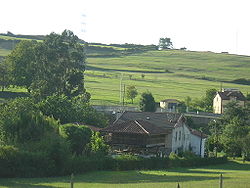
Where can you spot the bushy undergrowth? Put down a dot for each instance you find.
(17, 163)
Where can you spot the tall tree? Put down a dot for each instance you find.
(55, 65)
(5, 74)
(147, 102)
(22, 60)
(165, 43)
(208, 100)
(61, 63)
(131, 93)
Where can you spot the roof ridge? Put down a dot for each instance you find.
(141, 127)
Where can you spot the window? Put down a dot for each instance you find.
(176, 136)
(179, 135)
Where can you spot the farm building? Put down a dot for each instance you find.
(149, 132)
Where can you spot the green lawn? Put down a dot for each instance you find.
(235, 175)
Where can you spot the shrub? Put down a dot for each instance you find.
(16, 163)
(77, 136)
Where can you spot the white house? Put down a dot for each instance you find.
(155, 131)
(222, 98)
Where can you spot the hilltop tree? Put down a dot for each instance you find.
(165, 43)
(147, 102)
(131, 93)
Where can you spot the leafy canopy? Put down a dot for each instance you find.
(55, 65)
(131, 93)
(147, 102)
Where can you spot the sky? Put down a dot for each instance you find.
(199, 25)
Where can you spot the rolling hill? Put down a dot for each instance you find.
(167, 74)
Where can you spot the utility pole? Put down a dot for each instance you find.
(123, 95)
(121, 88)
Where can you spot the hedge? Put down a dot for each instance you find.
(17, 163)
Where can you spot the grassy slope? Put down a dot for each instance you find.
(191, 73)
(235, 174)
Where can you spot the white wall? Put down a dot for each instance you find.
(217, 104)
(186, 140)
(196, 143)
(182, 140)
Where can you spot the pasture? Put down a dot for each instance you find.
(235, 174)
(167, 74)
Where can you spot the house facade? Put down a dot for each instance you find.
(226, 96)
(169, 105)
(149, 132)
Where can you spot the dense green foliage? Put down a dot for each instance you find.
(131, 93)
(77, 136)
(165, 43)
(10, 156)
(55, 65)
(5, 75)
(231, 133)
(71, 110)
(34, 144)
(21, 122)
(204, 104)
(147, 102)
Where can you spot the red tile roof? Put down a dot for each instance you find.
(159, 119)
(135, 127)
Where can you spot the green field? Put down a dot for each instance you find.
(235, 175)
(188, 74)
(167, 74)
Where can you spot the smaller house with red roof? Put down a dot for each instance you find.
(154, 132)
(226, 96)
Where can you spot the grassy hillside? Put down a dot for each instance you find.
(167, 74)
(235, 174)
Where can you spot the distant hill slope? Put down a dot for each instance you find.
(167, 74)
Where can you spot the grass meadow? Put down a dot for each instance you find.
(166, 74)
(235, 175)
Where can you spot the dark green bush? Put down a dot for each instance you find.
(16, 163)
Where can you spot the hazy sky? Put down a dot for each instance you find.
(202, 25)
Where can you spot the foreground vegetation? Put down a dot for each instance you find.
(235, 173)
